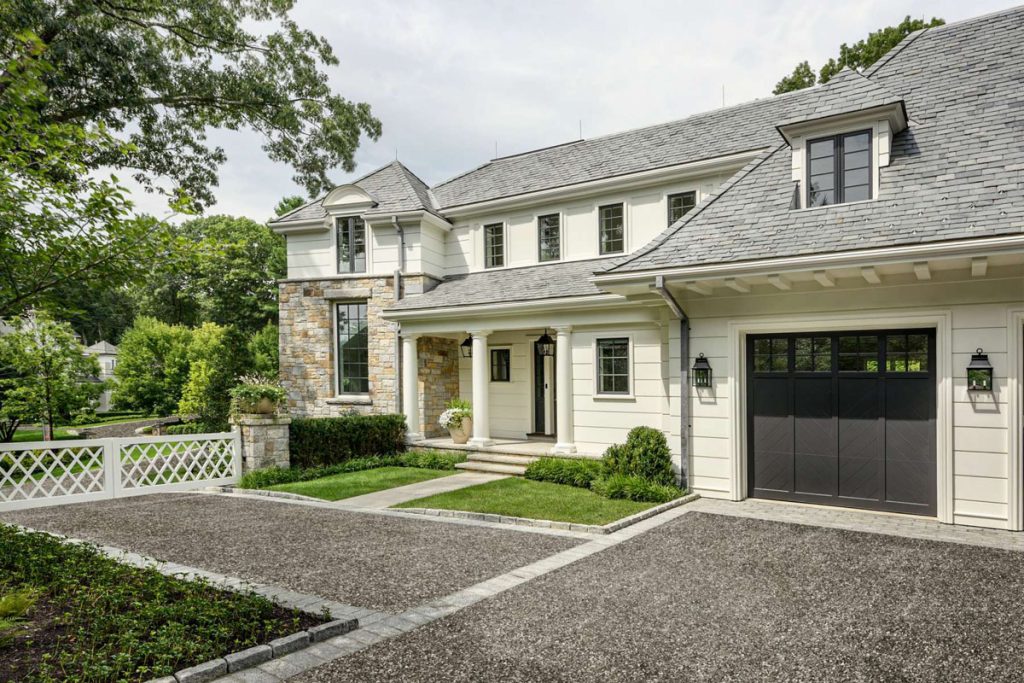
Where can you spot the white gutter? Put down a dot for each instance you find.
(575, 302)
(984, 246)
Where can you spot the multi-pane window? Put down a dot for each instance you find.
(501, 365)
(679, 204)
(771, 354)
(839, 169)
(351, 245)
(906, 353)
(813, 354)
(612, 233)
(353, 349)
(494, 245)
(858, 353)
(549, 236)
(613, 365)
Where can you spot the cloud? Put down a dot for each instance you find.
(450, 78)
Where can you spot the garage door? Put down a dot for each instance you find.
(843, 418)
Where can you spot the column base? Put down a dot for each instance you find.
(481, 443)
(413, 437)
(564, 449)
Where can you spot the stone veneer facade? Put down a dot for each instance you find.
(307, 349)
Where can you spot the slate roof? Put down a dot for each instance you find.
(394, 187)
(103, 347)
(956, 172)
(530, 283)
(848, 91)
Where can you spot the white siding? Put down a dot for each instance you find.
(510, 402)
(311, 255)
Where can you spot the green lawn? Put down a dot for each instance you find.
(351, 484)
(534, 499)
(61, 433)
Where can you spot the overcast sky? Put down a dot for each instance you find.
(449, 79)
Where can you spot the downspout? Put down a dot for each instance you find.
(398, 297)
(684, 371)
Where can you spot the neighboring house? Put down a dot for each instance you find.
(835, 255)
(106, 354)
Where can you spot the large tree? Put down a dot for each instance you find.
(859, 56)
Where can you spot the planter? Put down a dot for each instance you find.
(461, 434)
(264, 406)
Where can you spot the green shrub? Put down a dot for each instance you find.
(645, 454)
(634, 488)
(190, 428)
(431, 460)
(573, 472)
(318, 441)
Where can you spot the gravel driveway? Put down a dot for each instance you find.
(709, 597)
(371, 561)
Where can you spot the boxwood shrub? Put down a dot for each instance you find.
(634, 488)
(645, 455)
(320, 441)
(573, 472)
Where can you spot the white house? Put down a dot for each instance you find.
(836, 256)
(106, 354)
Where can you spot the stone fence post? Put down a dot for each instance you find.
(264, 441)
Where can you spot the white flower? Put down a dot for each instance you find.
(453, 417)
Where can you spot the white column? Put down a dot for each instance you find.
(564, 438)
(481, 390)
(410, 387)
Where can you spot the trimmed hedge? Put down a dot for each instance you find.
(645, 455)
(188, 428)
(272, 476)
(572, 472)
(322, 441)
(634, 488)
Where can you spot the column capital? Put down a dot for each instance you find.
(411, 336)
(562, 329)
(482, 334)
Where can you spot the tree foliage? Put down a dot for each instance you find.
(859, 56)
(152, 366)
(217, 357)
(289, 203)
(49, 377)
(265, 351)
(160, 74)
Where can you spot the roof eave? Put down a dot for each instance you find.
(894, 112)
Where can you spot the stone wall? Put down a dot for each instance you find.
(264, 441)
(438, 380)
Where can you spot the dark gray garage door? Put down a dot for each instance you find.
(843, 418)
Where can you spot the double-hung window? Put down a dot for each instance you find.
(501, 365)
(353, 362)
(549, 238)
(494, 245)
(612, 231)
(839, 169)
(351, 236)
(680, 204)
(613, 365)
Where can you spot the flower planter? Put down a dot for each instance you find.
(264, 406)
(462, 433)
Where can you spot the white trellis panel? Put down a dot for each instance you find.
(176, 463)
(38, 473)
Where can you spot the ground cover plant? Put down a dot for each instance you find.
(516, 497)
(94, 619)
(349, 484)
(274, 476)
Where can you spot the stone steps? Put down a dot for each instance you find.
(496, 463)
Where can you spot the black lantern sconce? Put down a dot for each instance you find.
(546, 345)
(467, 347)
(979, 372)
(701, 372)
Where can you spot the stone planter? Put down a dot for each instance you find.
(464, 431)
(264, 406)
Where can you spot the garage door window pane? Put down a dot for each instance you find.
(813, 354)
(771, 354)
(906, 353)
(858, 353)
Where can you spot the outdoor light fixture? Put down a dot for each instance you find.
(546, 345)
(979, 372)
(701, 372)
(467, 347)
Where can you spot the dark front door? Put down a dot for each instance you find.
(543, 388)
(843, 418)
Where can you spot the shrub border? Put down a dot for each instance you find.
(231, 662)
(596, 529)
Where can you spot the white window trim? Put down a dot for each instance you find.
(361, 398)
(941, 320)
(561, 236)
(504, 244)
(597, 395)
(880, 134)
(1015, 391)
(490, 375)
(626, 208)
(334, 246)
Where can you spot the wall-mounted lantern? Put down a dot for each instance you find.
(546, 345)
(467, 347)
(979, 372)
(701, 372)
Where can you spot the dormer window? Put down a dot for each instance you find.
(839, 169)
(351, 235)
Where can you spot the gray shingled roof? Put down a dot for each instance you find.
(848, 91)
(394, 187)
(103, 347)
(956, 172)
(545, 281)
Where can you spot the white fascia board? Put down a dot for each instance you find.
(507, 308)
(381, 217)
(295, 227)
(620, 182)
(895, 113)
(985, 246)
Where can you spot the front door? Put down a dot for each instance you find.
(543, 392)
(844, 418)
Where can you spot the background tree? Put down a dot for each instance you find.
(152, 367)
(859, 56)
(161, 73)
(50, 376)
(217, 357)
(264, 350)
(289, 203)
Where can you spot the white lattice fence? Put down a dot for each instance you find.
(41, 473)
